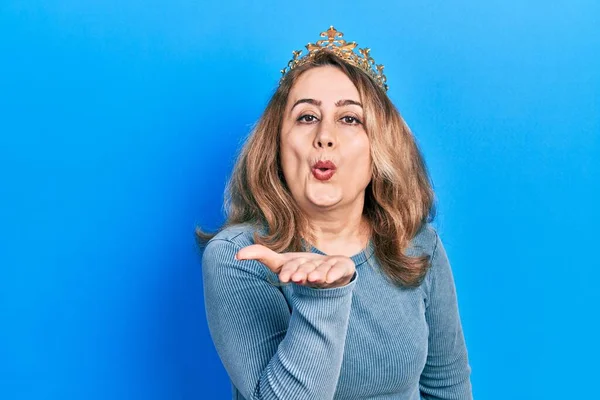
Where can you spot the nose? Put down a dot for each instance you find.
(325, 137)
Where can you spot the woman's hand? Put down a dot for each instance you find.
(308, 269)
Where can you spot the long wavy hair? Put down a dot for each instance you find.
(399, 200)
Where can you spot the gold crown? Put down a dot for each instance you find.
(342, 49)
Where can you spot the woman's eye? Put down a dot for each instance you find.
(351, 120)
(307, 118)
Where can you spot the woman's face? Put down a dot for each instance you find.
(323, 122)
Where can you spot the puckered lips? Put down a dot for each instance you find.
(323, 170)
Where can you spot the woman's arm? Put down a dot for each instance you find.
(268, 352)
(447, 372)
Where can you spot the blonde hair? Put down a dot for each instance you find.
(399, 200)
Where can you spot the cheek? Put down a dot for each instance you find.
(361, 152)
(291, 156)
(364, 168)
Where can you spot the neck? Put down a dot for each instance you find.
(342, 231)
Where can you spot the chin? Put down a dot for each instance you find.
(324, 204)
(323, 200)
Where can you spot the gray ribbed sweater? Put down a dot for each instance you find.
(366, 340)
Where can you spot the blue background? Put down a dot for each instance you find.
(119, 125)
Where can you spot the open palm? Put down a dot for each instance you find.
(303, 268)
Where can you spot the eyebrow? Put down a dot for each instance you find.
(339, 103)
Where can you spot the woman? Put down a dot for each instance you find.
(328, 280)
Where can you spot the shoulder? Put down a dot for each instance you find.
(218, 257)
(228, 241)
(239, 235)
(425, 241)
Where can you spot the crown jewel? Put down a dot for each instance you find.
(345, 50)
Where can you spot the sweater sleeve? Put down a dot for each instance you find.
(271, 350)
(447, 371)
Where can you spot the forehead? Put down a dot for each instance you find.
(327, 84)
